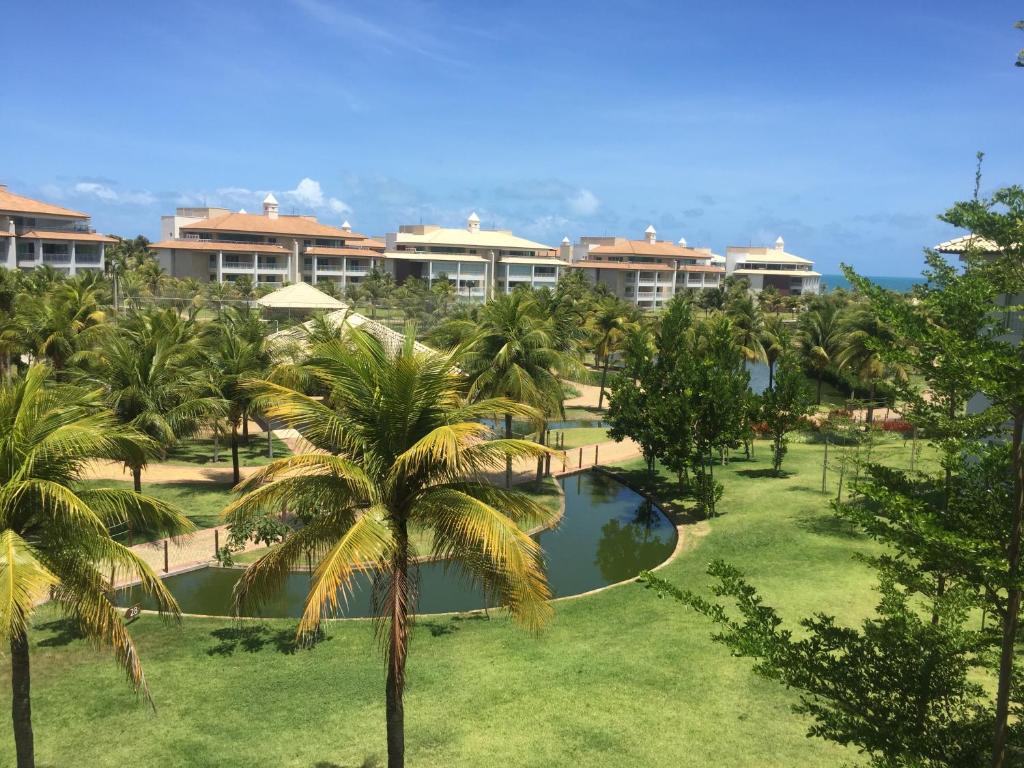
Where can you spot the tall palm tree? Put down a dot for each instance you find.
(747, 326)
(55, 536)
(511, 354)
(817, 339)
(610, 324)
(235, 357)
(862, 335)
(776, 340)
(399, 448)
(148, 372)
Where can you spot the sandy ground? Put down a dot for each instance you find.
(588, 396)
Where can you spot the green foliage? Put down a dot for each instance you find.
(785, 406)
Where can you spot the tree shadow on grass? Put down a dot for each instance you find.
(65, 631)
(765, 472)
(829, 525)
(665, 492)
(371, 761)
(253, 638)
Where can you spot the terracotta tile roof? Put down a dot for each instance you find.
(12, 203)
(377, 245)
(966, 243)
(296, 226)
(324, 251)
(645, 248)
(6, 234)
(81, 237)
(212, 246)
(623, 266)
(709, 268)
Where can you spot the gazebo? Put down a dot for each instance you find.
(299, 298)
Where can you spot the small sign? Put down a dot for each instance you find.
(133, 612)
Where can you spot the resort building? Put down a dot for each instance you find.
(480, 263)
(772, 267)
(645, 272)
(214, 244)
(34, 233)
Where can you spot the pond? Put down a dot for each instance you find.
(609, 533)
(526, 428)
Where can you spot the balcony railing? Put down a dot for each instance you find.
(238, 265)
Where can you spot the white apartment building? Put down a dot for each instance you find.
(645, 272)
(480, 263)
(214, 244)
(34, 233)
(763, 267)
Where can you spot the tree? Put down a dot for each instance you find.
(511, 354)
(55, 536)
(235, 355)
(999, 219)
(862, 336)
(56, 320)
(776, 340)
(400, 449)
(609, 324)
(816, 339)
(635, 399)
(747, 326)
(147, 370)
(784, 407)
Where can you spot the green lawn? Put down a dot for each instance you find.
(578, 436)
(200, 451)
(619, 678)
(201, 502)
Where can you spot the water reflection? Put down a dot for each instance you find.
(608, 534)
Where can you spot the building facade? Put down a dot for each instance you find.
(648, 272)
(763, 267)
(34, 233)
(480, 263)
(214, 244)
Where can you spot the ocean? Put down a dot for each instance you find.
(899, 284)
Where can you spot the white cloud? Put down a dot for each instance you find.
(339, 206)
(102, 191)
(584, 203)
(308, 192)
(110, 195)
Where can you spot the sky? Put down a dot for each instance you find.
(843, 127)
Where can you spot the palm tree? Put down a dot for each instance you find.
(55, 537)
(747, 326)
(861, 337)
(235, 356)
(776, 340)
(511, 354)
(56, 320)
(148, 372)
(400, 449)
(817, 339)
(610, 325)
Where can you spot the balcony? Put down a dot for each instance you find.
(237, 266)
(57, 258)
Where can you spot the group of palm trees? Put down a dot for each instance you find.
(398, 442)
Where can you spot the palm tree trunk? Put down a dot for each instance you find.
(871, 403)
(21, 702)
(245, 427)
(508, 460)
(398, 649)
(1010, 619)
(234, 453)
(541, 435)
(137, 478)
(771, 374)
(819, 388)
(604, 379)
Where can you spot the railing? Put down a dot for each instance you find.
(237, 265)
(87, 259)
(75, 228)
(50, 258)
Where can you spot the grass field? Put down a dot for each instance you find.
(200, 451)
(200, 501)
(618, 678)
(578, 436)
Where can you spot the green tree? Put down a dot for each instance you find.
(776, 341)
(635, 400)
(400, 449)
(148, 372)
(609, 324)
(862, 337)
(785, 406)
(816, 339)
(746, 326)
(55, 536)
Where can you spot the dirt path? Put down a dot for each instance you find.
(588, 396)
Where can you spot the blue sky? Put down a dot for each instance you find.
(844, 127)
